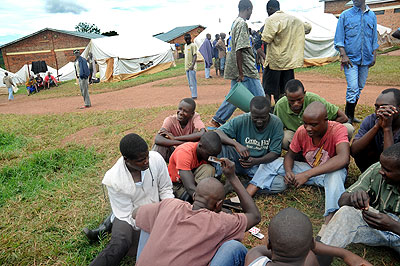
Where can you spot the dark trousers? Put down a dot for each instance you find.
(274, 81)
(123, 239)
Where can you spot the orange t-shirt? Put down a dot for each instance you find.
(183, 158)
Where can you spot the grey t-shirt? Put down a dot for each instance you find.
(240, 40)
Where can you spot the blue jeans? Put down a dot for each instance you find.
(10, 94)
(348, 226)
(191, 76)
(226, 109)
(231, 153)
(356, 77)
(222, 63)
(207, 72)
(333, 182)
(230, 253)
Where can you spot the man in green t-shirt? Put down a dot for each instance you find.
(370, 208)
(190, 64)
(290, 109)
(252, 139)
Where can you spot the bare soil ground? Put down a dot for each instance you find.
(169, 91)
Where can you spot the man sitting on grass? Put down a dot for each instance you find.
(251, 139)
(139, 177)
(378, 131)
(31, 86)
(39, 82)
(291, 242)
(49, 80)
(198, 234)
(188, 164)
(290, 109)
(184, 126)
(370, 208)
(324, 151)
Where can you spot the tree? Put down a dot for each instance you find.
(110, 33)
(87, 27)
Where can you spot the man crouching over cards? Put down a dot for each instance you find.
(198, 234)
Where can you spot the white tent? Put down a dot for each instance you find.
(13, 76)
(124, 57)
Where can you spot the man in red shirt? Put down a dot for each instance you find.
(49, 80)
(318, 155)
(184, 126)
(198, 234)
(188, 164)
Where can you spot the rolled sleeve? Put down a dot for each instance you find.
(339, 34)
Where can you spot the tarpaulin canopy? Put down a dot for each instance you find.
(124, 57)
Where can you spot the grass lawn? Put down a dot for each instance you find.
(51, 167)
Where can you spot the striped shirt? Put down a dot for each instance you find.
(383, 196)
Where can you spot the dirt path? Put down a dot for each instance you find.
(169, 92)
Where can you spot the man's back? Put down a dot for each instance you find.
(182, 236)
(285, 35)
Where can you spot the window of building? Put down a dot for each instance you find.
(379, 12)
(397, 10)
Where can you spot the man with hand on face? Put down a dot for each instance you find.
(378, 131)
(184, 126)
(370, 208)
(139, 177)
(290, 109)
(356, 38)
(252, 139)
(198, 234)
(324, 150)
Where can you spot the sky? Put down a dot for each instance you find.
(23, 17)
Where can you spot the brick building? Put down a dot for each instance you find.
(387, 11)
(50, 45)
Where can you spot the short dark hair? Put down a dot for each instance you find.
(392, 152)
(396, 93)
(245, 4)
(187, 35)
(273, 4)
(6, 73)
(132, 145)
(290, 233)
(260, 102)
(211, 142)
(294, 85)
(190, 101)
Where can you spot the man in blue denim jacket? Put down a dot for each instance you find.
(356, 39)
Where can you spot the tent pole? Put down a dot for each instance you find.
(55, 56)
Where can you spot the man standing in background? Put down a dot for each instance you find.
(82, 73)
(206, 51)
(190, 64)
(356, 38)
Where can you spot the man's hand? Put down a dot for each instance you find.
(354, 260)
(345, 61)
(373, 63)
(240, 78)
(300, 179)
(242, 150)
(289, 178)
(385, 115)
(250, 162)
(228, 168)
(379, 221)
(163, 132)
(359, 200)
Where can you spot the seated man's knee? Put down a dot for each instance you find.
(350, 130)
(204, 171)
(287, 139)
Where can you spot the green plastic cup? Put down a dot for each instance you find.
(240, 97)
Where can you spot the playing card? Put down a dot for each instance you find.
(254, 230)
(214, 159)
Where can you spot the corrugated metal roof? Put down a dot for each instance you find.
(74, 33)
(370, 2)
(176, 32)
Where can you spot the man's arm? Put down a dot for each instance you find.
(167, 142)
(246, 201)
(359, 145)
(193, 61)
(288, 163)
(195, 136)
(251, 161)
(165, 190)
(242, 150)
(347, 256)
(239, 62)
(344, 59)
(385, 121)
(188, 182)
(341, 117)
(339, 161)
